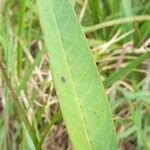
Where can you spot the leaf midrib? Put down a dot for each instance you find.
(73, 84)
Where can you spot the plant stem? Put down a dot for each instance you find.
(116, 22)
(19, 106)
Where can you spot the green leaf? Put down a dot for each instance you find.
(28, 72)
(20, 32)
(19, 106)
(55, 119)
(123, 71)
(95, 10)
(83, 101)
(127, 132)
(141, 96)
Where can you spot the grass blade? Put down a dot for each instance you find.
(95, 10)
(126, 7)
(19, 107)
(83, 102)
(98, 14)
(55, 119)
(123, 71)
(20, 30)
(28, 72)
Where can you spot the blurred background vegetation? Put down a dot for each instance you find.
(118, 32)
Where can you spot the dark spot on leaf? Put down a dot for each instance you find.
(63, 79)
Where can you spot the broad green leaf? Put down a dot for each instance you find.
(83, 101)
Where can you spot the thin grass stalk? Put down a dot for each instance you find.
(116, 22)
(19, 107)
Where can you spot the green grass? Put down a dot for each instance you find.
(22, 5)
(110, 27)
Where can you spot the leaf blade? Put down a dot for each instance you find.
(80, 90)
(123, 71)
